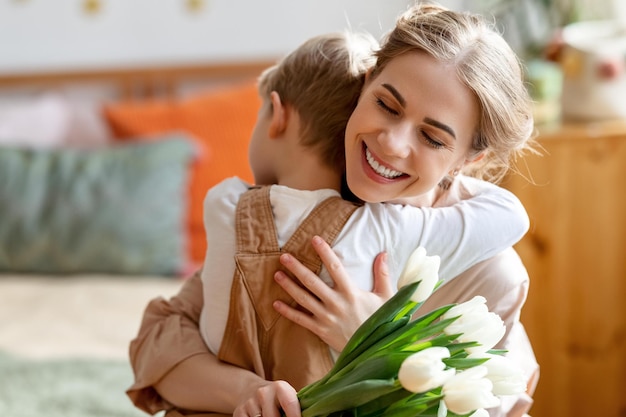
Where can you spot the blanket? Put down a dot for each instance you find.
(64, 342)
(64, 387)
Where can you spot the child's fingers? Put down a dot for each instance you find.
(287, 397)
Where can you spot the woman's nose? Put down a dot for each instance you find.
(395, 142)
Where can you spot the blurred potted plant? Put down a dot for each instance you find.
(534, 28)
(530, 26)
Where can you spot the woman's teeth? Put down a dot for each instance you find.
(381, 170)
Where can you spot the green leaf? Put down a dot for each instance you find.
(385, 314)
(402, 339)
(417, 404)
(381, 332)
(412, 332)
(380, 367)
(464, 363)
(384, 321)
(460, 348)
(428, 318)
(377, 406)
(350, 396)
(413, 411)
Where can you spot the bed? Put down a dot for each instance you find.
(102, 175)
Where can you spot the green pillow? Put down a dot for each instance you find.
(119, 209)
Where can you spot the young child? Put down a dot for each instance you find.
(297, 145)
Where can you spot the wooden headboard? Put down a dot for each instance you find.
(140, 82)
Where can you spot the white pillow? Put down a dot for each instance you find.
(51, 120)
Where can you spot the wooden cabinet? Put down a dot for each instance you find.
(575, 253)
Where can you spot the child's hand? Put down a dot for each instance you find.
(269, 399)
(335, 313)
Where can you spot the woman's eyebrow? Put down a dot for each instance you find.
(396, 94)
(440, 125)
(427, 120)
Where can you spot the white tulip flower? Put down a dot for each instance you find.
(468, 391)
(506, 376)
(425, 269)
(481, 412)
(476, 323)
(425, 370)
(442, 411)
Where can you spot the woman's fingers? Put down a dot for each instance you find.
(303, 298)
(335, 312)
(382, 281)
(332, 263)
(308, 279)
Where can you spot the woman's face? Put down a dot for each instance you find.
(412, 126)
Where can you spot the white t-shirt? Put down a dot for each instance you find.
(485, 220)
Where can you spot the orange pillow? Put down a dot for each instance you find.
(221, 123)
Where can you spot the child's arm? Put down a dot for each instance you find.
(174, 368)
(168, 335)
(479, 220)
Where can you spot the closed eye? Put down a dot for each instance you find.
(385, 107)
(430, 141)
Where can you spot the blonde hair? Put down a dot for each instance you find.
(486, 64)
(322, 80)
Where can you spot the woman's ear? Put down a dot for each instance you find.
(278, 122)
(475, 158)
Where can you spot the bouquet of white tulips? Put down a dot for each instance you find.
(440, 364)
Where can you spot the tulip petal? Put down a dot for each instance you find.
(469, 390)
(423, 269)
(425, 370)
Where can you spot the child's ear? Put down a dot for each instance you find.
(369, 76)
(278, 123)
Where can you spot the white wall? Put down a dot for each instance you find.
(57, 34)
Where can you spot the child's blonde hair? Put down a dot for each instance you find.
(486, 64)
(322, 80)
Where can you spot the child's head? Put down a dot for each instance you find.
(485, 63)
(321, 80)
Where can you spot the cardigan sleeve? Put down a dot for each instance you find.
(169, 333)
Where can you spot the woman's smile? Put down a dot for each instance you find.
(377, 168)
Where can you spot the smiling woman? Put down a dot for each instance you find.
(446, 95)
(401, 140)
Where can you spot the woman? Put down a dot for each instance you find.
(432, 57)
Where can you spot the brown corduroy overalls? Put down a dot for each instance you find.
(257, 337)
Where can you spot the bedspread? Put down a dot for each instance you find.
(75, 316)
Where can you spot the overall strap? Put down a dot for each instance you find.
(255, 228)
(326, 220)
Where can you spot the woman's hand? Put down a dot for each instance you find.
(269, 399)
(334, 313)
